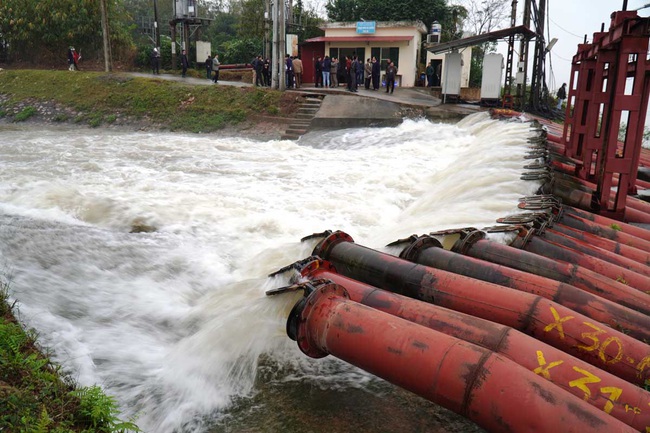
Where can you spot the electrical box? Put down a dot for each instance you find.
(185, 8)
(492, 77)
(452, 71)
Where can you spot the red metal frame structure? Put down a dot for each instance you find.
(610, 78)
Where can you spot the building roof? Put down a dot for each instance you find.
(419, 25)
(360, 38)
(479, 39)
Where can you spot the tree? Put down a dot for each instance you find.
(484, 17)
(41, 29)
(426, 11)
(487, 15)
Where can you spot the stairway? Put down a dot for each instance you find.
(300, 125)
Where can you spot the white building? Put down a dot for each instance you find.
(400, 41)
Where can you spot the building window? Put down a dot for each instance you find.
(383, 54)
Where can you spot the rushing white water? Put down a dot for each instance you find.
(173, 322)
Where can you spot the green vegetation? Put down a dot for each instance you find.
(33, 395)
(101, 98)
(25, 114)
(616, 227)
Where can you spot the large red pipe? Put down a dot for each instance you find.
(577, 276)
(427, 251)
(543, 247)
(618, 259)
(545, 320)
(550, 363)
(627, 231)
(489, 389)
(632, 253)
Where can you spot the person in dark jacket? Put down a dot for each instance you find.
(376, 72)
(327, 67)
(561, 96)
(184, 63)
(71, 59)
(430, 71)
(289, 65)
(318, 72)
(267, 72)
(155, 61)
(352, 74)
(208, 67)
(259, 71)
(391, 74)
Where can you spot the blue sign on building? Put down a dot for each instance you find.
(366, 27)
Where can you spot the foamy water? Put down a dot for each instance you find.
(173, 323)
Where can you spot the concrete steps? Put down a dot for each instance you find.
(305, 113)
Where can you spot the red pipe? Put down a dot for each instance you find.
(578, 222)
(427, 251)
(632, 253)
(545, 320)
(566, 241)
(548, 362)
(577, 276)
(632, 230)
(543, 247)
(490, 390)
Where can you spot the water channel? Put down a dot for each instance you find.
(173, 320)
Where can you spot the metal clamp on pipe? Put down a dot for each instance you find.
(418, 244)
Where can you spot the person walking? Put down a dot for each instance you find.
(184, 63)
(561, 96)
(208, 67)
(215, 67)
(297, 71)
(376, 72)
(391, 73)
(75, 59)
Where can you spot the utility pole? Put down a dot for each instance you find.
(155, 24)
(108, 61)
(267, 28)
(282, 45)
(274, 54)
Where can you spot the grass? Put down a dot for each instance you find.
(36, 397)
(101, 97)
(25, 114)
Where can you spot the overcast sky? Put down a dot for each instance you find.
(569, 21)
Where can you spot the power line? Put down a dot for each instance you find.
(562, 28)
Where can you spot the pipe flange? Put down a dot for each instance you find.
(315, 265)
(412, 251)
(467, 240)
(536, 175)
(524, 236)
(462, 231)
(297, 328)
(502, 229)
(323, 248)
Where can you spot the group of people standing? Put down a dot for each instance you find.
(261, 71)
(330, 72)
(212, 64)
